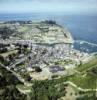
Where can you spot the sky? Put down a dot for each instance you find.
(66, 6)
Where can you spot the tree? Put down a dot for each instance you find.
(38, 69)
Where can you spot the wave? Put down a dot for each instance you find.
(83, 42)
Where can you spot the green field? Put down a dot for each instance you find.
(88, 65)
(85, 79)
(85, 82)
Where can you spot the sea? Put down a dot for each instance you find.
(83, 28)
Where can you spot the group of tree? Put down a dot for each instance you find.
(48, 89)
(11, 93)
(4, 61)
(18, 21)
(23, 49)
(52, 22)
(3, 50)
(8, 84)
(5, 32)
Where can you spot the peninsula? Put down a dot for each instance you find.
(38, 62)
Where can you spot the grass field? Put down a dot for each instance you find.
(84, 78)
(85, 82)
(88, 65)
(23, 29)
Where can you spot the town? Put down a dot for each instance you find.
(41, 51)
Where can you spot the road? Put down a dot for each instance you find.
(79, 88)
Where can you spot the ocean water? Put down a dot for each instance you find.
(82, 27)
